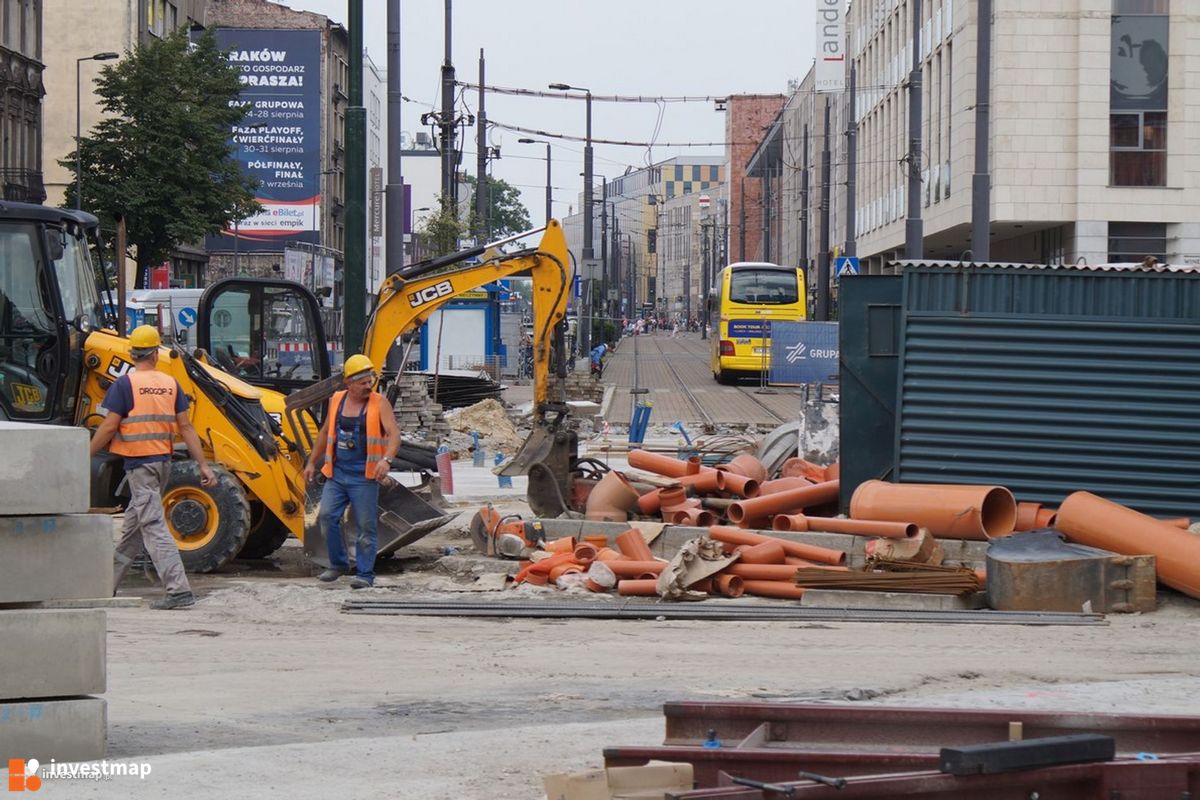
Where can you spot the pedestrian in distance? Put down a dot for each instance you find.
(146, 408)
(356, 443)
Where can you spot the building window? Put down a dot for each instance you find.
(1138, 93)
(1133, 241)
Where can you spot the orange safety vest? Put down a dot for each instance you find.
(376, 440)
(149, 427)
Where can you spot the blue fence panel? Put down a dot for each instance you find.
(804, 352)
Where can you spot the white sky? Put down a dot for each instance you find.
(627, 47)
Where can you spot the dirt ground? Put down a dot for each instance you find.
(266, 689)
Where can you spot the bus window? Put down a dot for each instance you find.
(772, 287)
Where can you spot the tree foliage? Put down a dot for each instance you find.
(440, 232)
(162, 156)
(507, 214)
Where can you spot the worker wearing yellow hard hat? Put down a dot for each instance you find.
(145, 409)
(357, 442)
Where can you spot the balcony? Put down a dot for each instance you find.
(22, 185)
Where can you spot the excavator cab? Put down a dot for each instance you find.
(266, 332)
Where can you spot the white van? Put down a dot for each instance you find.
(172, 311)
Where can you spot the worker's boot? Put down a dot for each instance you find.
(175, 600)
(330, 575)
(358, 582)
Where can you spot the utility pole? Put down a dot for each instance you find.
(354, 268)
(765, 197)
(914, 230)
(981, 181)
(742, 223)
(822, 309)
(804, 203)
(604, 284)
(482, 195)
(851, 165)
(394, 198)
(706, 248)
(446, 122)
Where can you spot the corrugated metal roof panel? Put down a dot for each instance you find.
(913, 264)
(1049, 406)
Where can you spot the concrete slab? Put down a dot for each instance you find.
(87, 602)
(50, 463)
(891, 601)
(51, 653)
(55, 557)
(72, 729)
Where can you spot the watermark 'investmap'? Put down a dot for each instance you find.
(30, 775)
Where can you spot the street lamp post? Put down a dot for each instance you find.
(589, 251)
(237, 221)
(549, 198)
(108, 56)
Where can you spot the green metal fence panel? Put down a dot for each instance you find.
(1053, 381)
(869, 357)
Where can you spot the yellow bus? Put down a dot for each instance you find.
(747, 296)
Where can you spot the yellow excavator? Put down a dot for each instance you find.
(61, 348)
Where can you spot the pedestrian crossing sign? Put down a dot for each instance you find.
(846, 265)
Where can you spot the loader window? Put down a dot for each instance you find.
(76, 280)
(27, 326)
(263, 332)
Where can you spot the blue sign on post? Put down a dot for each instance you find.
(187, 317)
(846, 265)
(804, 352)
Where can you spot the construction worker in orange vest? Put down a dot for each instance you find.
(145, 409)
(356, 457)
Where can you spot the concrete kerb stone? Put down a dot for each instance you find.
(51, 653)
(55, 557)
(73, 729)
(51, 463)
(892, 601)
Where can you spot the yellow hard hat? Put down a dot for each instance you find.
(356, 365)
(144, 337)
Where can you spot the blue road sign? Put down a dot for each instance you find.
(804, 352)
(846, 265)
(578, 287)
(187, 317)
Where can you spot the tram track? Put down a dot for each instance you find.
(709, 424)
(741, 389)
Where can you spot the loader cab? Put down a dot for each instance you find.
(49, 301)
(266, 332)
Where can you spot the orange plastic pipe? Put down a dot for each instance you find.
(763, 572)
(784, 502)
(533, 578)
(732, 482)
(663, 465)
(544, 566)
(564, 545)
(781, 589)
(638, 588)
(782, 485)
(858, 527)
(608, 554)
(954, 511)
(585, 552)
(748, 466)
(1045, 517)
(833, 472)
(1092, 520)
(800, 468)
(694, 463)
(563, 569)
(633, 569)
(799, 562)
(696, 517)
(824, 555)
(703, 585)
(765, 553)
(729, 585)
(1027, 516)
(596, 541)
(631, 544)
(1181, 522)
(703, 483)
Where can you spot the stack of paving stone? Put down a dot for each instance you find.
(54, 559)
(580, 385)
(416, 414)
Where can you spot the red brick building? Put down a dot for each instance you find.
(747, 117)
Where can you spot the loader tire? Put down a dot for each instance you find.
(210, 523)
(267, 533)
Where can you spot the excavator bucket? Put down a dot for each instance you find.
(403, 519)
(547, 456)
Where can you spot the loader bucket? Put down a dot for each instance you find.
(547, 456)
(403, 519)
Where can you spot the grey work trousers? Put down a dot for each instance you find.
(146, 525)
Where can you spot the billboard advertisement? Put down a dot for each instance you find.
(279, 141)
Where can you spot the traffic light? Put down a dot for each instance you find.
(652, 240)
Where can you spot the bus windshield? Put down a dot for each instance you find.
(773, 287)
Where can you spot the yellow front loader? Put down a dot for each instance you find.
(60, 350)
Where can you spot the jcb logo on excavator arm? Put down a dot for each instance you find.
(429, 294)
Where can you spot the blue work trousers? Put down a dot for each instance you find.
(350, 487)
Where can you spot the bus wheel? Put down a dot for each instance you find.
(724, 378)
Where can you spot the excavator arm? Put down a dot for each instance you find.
(409, 297)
